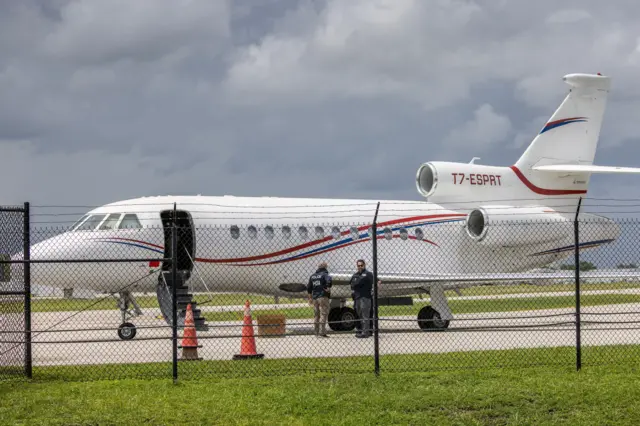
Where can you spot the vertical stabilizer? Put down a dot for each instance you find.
(571, 134)
(570, 137)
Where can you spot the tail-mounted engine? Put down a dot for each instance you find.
(455, 182)
(514, 226)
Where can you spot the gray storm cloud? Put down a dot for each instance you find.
(105, 100)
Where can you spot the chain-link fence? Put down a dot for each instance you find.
(115, 296)
(15, 316)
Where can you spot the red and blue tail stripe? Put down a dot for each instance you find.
(557, 123)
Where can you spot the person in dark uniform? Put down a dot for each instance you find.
(319, 291)
(361, 287)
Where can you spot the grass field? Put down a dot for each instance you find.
(270, 392)
(109, 303)
(457, 306)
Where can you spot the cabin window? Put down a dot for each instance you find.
(335, 232)
(388, 233)
(130, 221)
(302, 231)
(419, 234)
(355, 234)
(253, 232)
(268, 231)
(319, 232)
(286, 232)
(91, 222)
(403, 234)
(111, 222)
(235, 232)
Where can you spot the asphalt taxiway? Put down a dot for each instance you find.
(90, 337)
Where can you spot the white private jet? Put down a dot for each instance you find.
(270, 246)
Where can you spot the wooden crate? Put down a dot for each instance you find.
(271, 325)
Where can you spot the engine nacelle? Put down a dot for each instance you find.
(454, 182)
(509, 226)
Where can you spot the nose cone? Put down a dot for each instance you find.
(58, 274)
(60, 247)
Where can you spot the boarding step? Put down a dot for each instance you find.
(183, 299)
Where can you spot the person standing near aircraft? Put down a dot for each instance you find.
(361, 286)
(319, 290)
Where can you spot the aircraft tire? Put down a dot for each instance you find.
(342, 319)
(429, 319)
(126, 331)
(334, 318)
(349, 315)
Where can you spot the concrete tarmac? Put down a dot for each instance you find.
(90, 337)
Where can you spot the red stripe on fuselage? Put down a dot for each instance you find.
(138, 241)
(275, 262)
(325, 239)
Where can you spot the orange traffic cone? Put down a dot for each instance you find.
(248, 343)
(189, 339)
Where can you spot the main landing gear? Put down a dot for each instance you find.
(438, 316)
(430, 319)
(342, 318)
(127, 330)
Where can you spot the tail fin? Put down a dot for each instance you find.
(572, 133)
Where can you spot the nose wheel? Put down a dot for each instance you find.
(127, 330)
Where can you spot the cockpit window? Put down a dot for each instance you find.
(75, 225)
(111, 221)
(91, 223)
(130, 221)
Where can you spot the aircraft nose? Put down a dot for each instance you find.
(57, 248)
(60, 247)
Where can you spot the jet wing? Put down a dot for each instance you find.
(396, 284)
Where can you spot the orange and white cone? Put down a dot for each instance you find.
(248, 342)
(189, 339)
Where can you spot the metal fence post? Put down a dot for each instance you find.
(376, 340)
(28, 361)
(174, 277)
(577, 278)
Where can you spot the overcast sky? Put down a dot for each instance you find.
(102, 100)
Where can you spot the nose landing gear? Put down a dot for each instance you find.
(127, 330)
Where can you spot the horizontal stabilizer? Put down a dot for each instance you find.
(585, 168)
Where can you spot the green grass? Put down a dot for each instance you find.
(457, 306)
(73, 305)
(527, 288)
(145, 302)
(280, 392)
